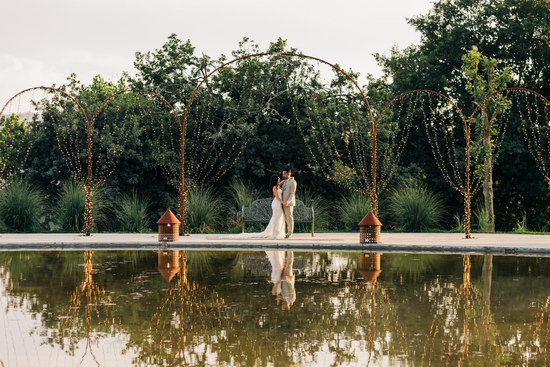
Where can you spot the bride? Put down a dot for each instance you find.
(276, 227)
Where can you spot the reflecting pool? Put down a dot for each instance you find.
(178, 308)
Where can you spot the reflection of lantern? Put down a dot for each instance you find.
(369, 229)
(369, 266)
(168, 264)
(169, 227)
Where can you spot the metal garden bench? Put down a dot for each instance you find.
(260, 212)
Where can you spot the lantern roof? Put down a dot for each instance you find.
(370, 275)
(168, 218)
(168, 273)
(370, 220)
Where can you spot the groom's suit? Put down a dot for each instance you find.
(289, 195)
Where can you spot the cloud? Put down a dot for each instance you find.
(19, 73)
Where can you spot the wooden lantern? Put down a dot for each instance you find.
(169, 227)
(369, 229)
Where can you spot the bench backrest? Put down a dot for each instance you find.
(260, 211)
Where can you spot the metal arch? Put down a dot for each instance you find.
(87, 187)
(97, 111)
(500, 91)
(65, 94)
(51, 89)
(487, 98)
(286, 54)
(135, 91)
(467, 136)
(428, 91)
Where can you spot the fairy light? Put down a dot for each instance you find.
(536, 134)
(398, 126)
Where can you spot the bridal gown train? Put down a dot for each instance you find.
(276, 226)
(274, 230)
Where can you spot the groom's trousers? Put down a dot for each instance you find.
(289, 218)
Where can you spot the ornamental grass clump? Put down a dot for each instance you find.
(414, 208)
(202, 210)
(133, 214)
(241, 194)
(70, 211)
(319, 205)
(352, 209)
(21, 207)
(481, 218)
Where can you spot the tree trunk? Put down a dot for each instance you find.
(488, 172)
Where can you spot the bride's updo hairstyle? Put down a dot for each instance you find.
(272, 182)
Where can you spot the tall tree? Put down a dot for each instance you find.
(484, 79)
(515, 32)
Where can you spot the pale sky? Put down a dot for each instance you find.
(43, 41)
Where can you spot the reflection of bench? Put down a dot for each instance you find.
(260, 212)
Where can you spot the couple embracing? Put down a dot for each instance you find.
(283, 192)
(284, 199)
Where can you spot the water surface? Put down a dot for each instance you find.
(178, 308)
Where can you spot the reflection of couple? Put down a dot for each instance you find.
(282, 277)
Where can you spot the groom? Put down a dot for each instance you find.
(289, 200)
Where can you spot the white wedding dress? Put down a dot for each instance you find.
(275, 228)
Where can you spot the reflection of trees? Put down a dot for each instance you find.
(463, 328)
(187, 309)
(385, 333)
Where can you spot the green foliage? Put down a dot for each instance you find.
(14, 140)
(70, 210)
(521, 225)
(484, 78)
(516, 36)
(203, 210)
(414, 208)
(133, 214)
(320, 205)
(482, 82)
(352, 209)
(480, 215)
(241, 193)
(21, 206)
(459, 222)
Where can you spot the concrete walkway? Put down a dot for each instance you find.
(484, 243)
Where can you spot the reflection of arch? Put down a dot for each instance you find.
(88, 295)
(284, 54)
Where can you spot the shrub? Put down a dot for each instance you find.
(21, 206)
(203, 210)
(481, 218)
(320, 207)
(352, 209)
(71, 207)
(241, 194)
(133, 213)
(414, 208)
